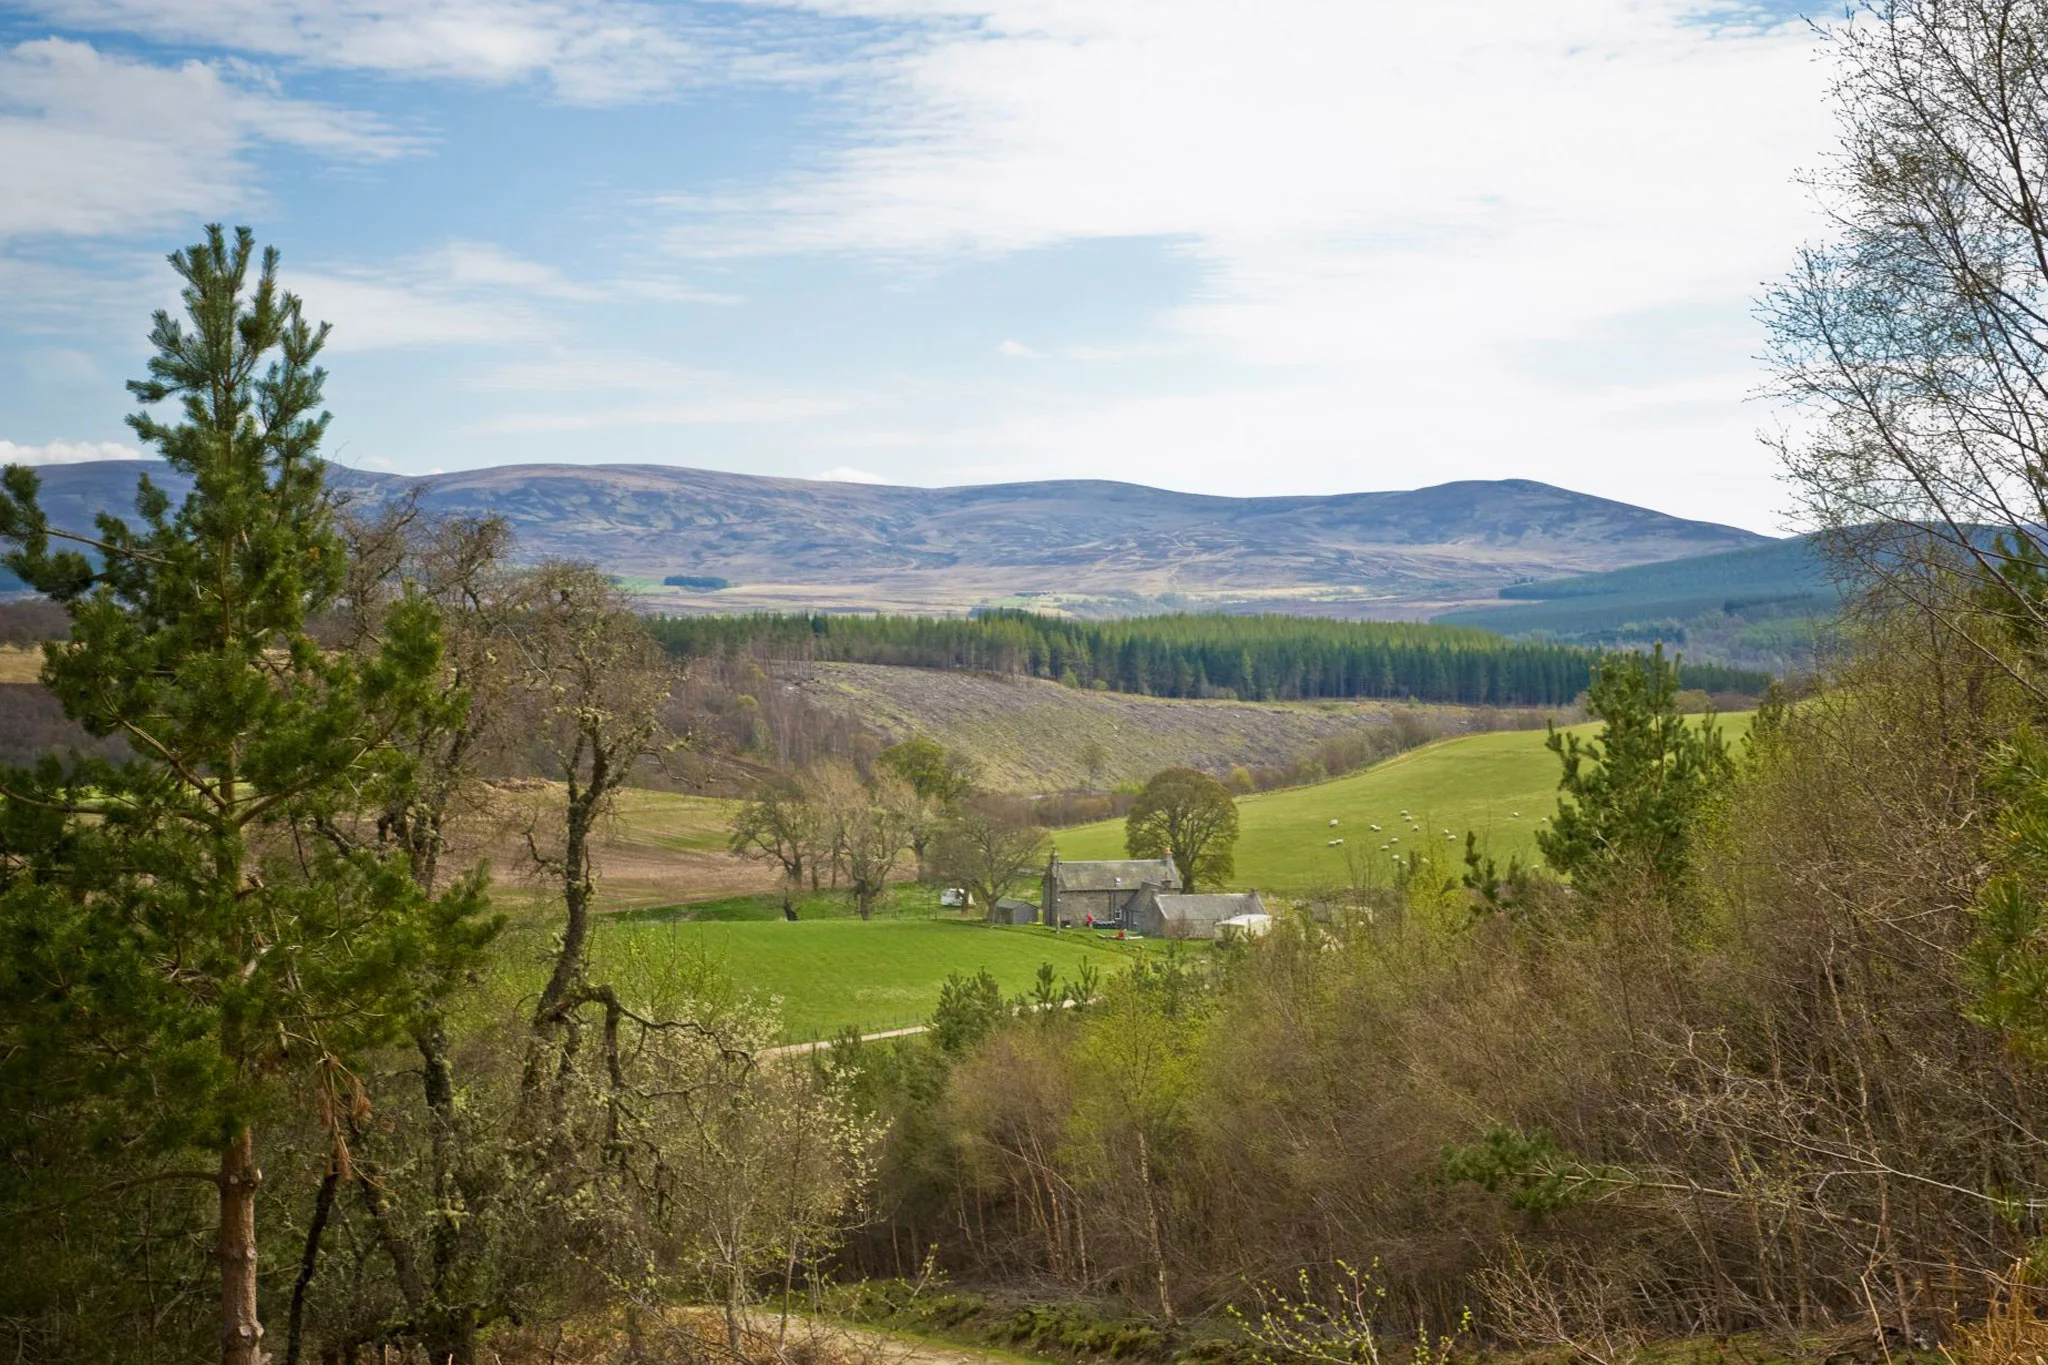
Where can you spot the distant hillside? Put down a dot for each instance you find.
(1761, 606)
(796, 543)
(1029, 735)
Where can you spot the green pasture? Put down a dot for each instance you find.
(672, 820)
(1499, 784)
(874, 974)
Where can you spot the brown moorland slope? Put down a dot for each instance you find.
(797, 543)
(1031, 735)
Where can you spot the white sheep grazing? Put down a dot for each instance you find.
(1334, 842)
(1374, 828)
(1333, 822)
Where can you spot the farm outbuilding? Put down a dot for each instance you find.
(1010, 910)
(1105, 890)
(1161, 914)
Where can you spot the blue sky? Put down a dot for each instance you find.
(1295, 246)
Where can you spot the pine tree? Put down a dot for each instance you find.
(180, 947)
(1631, 795)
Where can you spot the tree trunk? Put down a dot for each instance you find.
(241, 1330)
(309, 1262)
(1152, 1227)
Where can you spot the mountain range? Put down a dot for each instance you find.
(1089, 544)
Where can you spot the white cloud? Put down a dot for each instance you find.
(741, 409)
(402, 309)
(483, 265)
(588, 51)
(580, 373)
(66, 452)
(462, 293)
(1017, 350)
(97, 144)
(669, 394)
(1389, 207)
(848, 474)
(468, 292)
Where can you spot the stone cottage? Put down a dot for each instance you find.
(1107, 890)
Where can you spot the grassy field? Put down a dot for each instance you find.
(1499, 784)
(830, 973)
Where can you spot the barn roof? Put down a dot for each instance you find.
(1012, 903)
(1209, 910)
(1121, 874)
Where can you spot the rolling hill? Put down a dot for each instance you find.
(1499, 785)
(1760, 606)
(798, 543)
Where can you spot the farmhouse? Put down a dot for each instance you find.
(1106, 890)
(1162, 914)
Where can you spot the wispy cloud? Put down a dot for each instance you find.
(731, 410)
(461, 293)
(1385, 203)
(585, 51)
(94, 144)
(66, 452)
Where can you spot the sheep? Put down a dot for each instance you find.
(1333, 822)
(1333, 843)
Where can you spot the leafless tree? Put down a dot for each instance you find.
(1913, 346)
(987, 854)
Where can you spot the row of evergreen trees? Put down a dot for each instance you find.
(1267, 658)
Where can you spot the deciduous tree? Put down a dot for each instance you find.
(1186, 815)
(987, 854)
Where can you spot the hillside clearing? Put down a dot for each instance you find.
(1498, 784)
(1030, 735)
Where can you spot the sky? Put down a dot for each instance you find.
(1291, 246)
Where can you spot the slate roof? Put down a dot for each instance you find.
(1208, 910)
(1121, 874)
(1012, 903)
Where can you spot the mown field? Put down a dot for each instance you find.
(1500, 784)
(827, 974)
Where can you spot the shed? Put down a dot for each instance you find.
(1010, 910)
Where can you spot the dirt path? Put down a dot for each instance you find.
(804, 1049)
(855, 1345)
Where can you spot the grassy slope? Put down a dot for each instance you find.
(1477, 782)
(876, 974)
